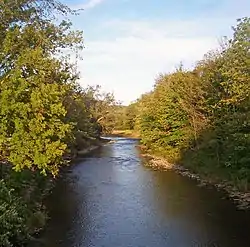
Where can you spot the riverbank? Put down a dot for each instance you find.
(92, 146)
(241, 198)
(23, 199)
(125, 133)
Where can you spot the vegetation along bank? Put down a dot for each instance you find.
(45, 116)
(200, 118)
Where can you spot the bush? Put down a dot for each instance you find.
(12, 222)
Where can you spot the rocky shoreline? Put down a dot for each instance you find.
(242, 199)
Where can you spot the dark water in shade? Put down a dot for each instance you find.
(110, 199)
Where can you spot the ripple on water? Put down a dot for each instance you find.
(110, 199)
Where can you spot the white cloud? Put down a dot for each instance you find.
(89, 5)
(128, 64)
(126, 55)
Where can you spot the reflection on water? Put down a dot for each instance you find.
(110, 199)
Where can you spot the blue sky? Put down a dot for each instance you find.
(129, 42)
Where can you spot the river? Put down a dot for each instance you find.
(110, 199)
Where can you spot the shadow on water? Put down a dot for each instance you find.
(110, 199)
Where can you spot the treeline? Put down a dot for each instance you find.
(45, 116)
(201, 118)
(124, 117)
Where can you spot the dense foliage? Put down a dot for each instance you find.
(34, 82)
(45, 116)
(21, 211)
(201, 118)
(123, 117)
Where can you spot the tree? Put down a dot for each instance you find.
(102, 106)
(201, 117)
(34, 78)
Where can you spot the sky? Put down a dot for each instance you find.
(129, 42)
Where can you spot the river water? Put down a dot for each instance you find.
(110, 199)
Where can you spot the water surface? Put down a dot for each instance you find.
(110, 199)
